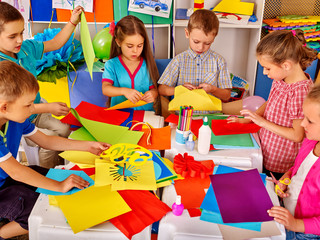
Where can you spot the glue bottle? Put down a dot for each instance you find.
(190, 143)
(177, 207)
(204, 137)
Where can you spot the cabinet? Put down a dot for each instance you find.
(236, 43)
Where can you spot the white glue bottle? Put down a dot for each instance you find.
(204, 137)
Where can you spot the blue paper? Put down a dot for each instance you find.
(60, 175)
(128, 121)
(162, 172)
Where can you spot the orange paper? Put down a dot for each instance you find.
(160, 138)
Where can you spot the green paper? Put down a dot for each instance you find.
(132, 137)
(238, 140)
(86, 42)
(82, 134)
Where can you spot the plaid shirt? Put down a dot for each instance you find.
(189, 67)
(284, 105)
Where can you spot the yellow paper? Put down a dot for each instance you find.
(91, 206)
(138, 177)
(52, 200)
(86, 43)
(58, 92)
(235, 6)
(197, 98)
(79, 157)
(127, 104)
(170, 164)
(164, 184)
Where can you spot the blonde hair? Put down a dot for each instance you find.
(314, 93)
(8, 13)
(15, 81)
(204, 20)
(131, 25)
(282, 45)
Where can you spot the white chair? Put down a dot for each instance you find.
(32, 153)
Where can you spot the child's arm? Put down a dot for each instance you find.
(63, 36)
(150, 96)
(294, 133)
(166, 90)
(283, 216)
(55, 108)
(62, 144)
(259, 112)
(111, 91)
(222, 93)
(27, 175)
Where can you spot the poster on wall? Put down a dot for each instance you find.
(71, 4)
(24, 8)
(160, 8)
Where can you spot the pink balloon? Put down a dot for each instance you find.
(252, 103)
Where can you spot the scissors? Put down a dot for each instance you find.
(285, 181)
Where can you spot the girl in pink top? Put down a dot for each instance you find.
(284, 57)
(301, 215)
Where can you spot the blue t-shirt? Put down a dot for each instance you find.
(30, 52)
(118, 74)
(13, 136)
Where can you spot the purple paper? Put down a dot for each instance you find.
(241, 197)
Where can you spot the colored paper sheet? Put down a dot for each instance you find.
(127, 104)
(170, 164)
(60, 175)
(146, 209)
(197, 98)
(79, 157)
(222, 127)
(96, 113)
(108, 133)
(86, 43)
(235, 6)
(241, 197)
(82, 134)
(160, 138)
(88, 171)
(138, 116)
(172, 118)
(162, 171)
(129, 120)
(91, 206)
(268, 229)
(239, 140)
(254, 142)
(125, 178)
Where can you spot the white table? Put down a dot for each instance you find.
(184, 227)
(245, 158)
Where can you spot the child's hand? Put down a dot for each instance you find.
(235, 119)
(149, 96)
(190, 86)
(254, 117)
(208, 87)
(284, 217)
(58, 108)
(75, 17)
(132, 95)
(98, 147)
(73, 181)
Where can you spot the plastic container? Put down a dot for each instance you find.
(204, 137)
(190, 143)
(177, 207)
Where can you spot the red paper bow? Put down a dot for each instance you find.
(186, 166)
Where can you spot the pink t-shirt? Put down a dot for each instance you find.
(284, 105)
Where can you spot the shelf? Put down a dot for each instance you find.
(184, 23)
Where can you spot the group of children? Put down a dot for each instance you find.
(291, 113)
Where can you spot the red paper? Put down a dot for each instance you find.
(96, 113)
(194, 212)
(138, 116)
(146, 209)
(172, 119)
(88, 171)
(222, 127)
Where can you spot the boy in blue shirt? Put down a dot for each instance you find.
(199, 66)
(18, 89)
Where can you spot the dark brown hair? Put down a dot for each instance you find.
(8, 13)
(204, 20)
(15, 81)
(282, 45)
(131, 25)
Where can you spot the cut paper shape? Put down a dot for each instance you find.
(197, 98)
(222, 127)
(160, 138)
(127, 104)
(79, 157)
(91, 206)
(60, 175)
(241, 197)
(89, 171)
(96, 113)
(86, 43)
(235, 6)
(162, 171)
(146, 209)
(108, 133)
(125, 177)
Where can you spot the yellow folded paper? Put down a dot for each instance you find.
(235, 6)
(128, 104)
(197, 98)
